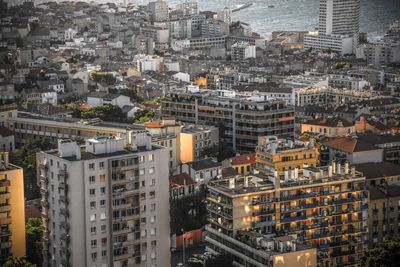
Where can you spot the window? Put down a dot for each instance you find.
(153, 182)
(152, 194)
(92, 179)
(92, 204)
(104, 253)
(141, 159)
(92, 192)
(102, 178)
(102, 203)
(94, 256)
(91, 166)
(151, 157)
(153, 207)
(151, 170)
(93, 243)
(103, 228)
(103, 216)
(102, 190)
(93, 217)
(93, 230)
(101, 165)
(142, 171)
(104, 241)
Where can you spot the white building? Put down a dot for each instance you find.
(69, 34)
(105, 205)
(203, 170)
(225, 15)
(188, 7)
(211, 28)
(380, 54)
(339, 22)
(102, 98)
(159, 10)
(242, 51)
(148, 63)
(345, 81)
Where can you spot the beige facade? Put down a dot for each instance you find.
(12, 209)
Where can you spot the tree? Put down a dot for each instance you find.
(386, 254)
(222, 260)
(34, 234)
(188, 213)
(17, 262)
(25, 157)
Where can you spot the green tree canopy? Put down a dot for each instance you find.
(34, 234)
(17, 262)
(386, 254)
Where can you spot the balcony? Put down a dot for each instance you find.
(6, 244)
(293, 219)
(5, 183)
(5, 194)
(264, 223)
(264, 212)
(297, 196)
(5, 221)
(5, 208)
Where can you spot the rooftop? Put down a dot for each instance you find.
(204, 164)
(330, 122)
(350, 144)
(378, 170)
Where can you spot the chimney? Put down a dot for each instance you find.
(232, 183)
(286, 175)
(329, 171)
(296, 173)
(246, 182)
(353, 171)
(334, 167)
(339, 166)
(291, 174)
(346, 168)
(6, 160)
(321, 173)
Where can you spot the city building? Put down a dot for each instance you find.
(7, 139)
(328, 126)
(379, 173)
(390, 144)
(214, 28)
(338, 27)
(243, 118)
(12, 210)
(105, 204)
(384, 210)
(181, 185)
(202, 171)
(242, 51)
(242, 164)
(225, 15)
(327, 207)
(350, 149)
(96, 99)
(195, 139)
(159, 10)
(285, 156)
(167, 133)
(344, 81)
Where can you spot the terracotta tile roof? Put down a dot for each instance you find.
(181, 180)
(349, 144)
(330, 122)
(378, 170)
(243, 159)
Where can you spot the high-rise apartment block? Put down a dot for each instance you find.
(12, 210)
(159, 10)
(105, 204)
(243, 119)
(326, 207)
(339, 22)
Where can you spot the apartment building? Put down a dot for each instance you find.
(166, 133)
(242, 51)
(327, 207)
(243, 118)
(384, 213)
(328, 126)
(105, 204)
(12, 210)
(285, 156)
(328, 96)
(195, 139)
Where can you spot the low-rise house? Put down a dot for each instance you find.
(41, 96)
(349, 149)
(371, 125)
(328, 126)
(242, 164)
(181, 185)
(203, 170)
(102, 98)
(7, 139)
(55, 85)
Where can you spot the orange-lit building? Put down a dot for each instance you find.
(12, 211)
(243, 164)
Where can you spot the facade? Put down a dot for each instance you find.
(7, 139)
(329, 127)
(99, 203)
(344, 81)
(181, 185)
(242, 51)
(12, 210)
(384, 213)
(328, 96)
(327, 207)
(167, 133)
(242, 164)
(194, 139)
(349, 149)
(159, 10)
(213, 28)
(96, 99)
(202, 171)
(244, 119)
(285, 156)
